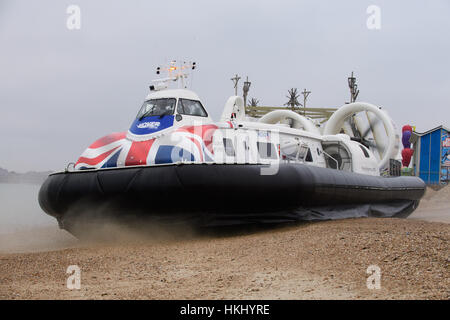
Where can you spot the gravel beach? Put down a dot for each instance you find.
(320, 260)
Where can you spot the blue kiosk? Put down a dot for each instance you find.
(431, 159)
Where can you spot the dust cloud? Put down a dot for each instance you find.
(24, 227)
(434, 206)
(19, 208)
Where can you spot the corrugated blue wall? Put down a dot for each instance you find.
(430, 157)
(445, 151)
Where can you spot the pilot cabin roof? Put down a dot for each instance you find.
(173, 93)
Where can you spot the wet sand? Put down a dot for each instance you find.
(321, 260)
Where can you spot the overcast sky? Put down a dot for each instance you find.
(62, 89)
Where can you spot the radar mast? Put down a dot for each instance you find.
(175, 71)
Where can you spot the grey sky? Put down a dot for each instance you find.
(60, 90)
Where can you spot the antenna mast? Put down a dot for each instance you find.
(353, 88)
(245, 90)
(175, 73)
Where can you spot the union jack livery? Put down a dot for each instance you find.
(193, 144)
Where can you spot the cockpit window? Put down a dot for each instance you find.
(157, 107)
(191, 108)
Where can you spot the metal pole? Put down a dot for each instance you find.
(245, 90)
(305, 97)
(235, 81)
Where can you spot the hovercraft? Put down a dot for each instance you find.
(176, 164)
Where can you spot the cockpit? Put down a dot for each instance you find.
(157, 107)
(167, 109)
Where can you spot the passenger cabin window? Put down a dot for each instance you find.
(267, 150)
(302, 152)
(228, 145)
(309, 157)
(191, 108)
(157, 107)
(366, 154)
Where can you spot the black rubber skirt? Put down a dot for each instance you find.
(226, 194)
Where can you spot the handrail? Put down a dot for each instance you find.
(68, 165)
(337, 163)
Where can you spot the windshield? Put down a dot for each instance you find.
(157, 107)
(191, 108)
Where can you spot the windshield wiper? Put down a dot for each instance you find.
(165, 113)
(145, 115)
